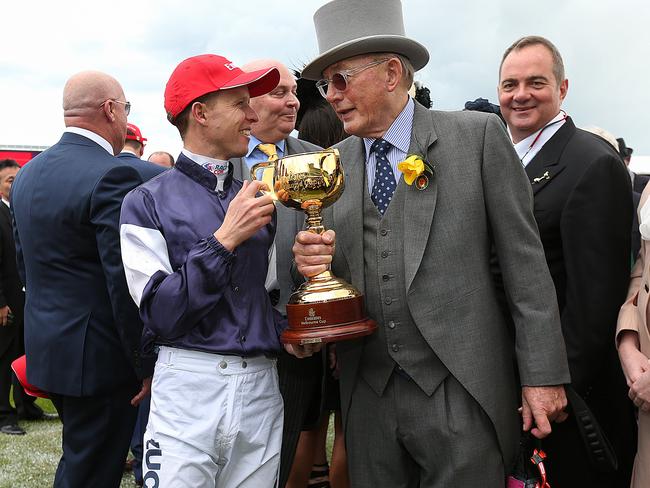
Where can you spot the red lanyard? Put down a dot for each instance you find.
(539, 134)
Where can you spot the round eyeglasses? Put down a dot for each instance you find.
(341, 79)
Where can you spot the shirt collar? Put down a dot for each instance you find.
(200, 159)
(399, 133)
(93, 137)
(524, 146)
(253, 142)
(6, 202)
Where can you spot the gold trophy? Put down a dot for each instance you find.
(324, 308)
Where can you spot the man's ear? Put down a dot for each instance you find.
(394, 73)
(564, 88)
(107, 108)
(197, 112)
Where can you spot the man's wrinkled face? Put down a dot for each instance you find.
(361, 105)
(276, 110)
(529, 94)
(7, 177)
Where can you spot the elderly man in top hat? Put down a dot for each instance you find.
(431, 398)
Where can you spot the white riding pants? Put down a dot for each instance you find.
(215, 421)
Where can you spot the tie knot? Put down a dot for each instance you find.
(270, 150)
(380, 147)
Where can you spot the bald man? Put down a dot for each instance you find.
(277, 111)
(82, 330)
(161, 158)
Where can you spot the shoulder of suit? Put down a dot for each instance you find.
(460, 119)
(585, 146)
(304, 145)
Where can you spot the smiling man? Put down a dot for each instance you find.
(276, 113)
(430, 399)
(583, 210)
(195, 247)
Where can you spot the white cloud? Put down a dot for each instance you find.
(606, 48)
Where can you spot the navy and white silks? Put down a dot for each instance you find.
(192, 292)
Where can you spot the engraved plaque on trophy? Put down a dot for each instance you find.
(324, 308)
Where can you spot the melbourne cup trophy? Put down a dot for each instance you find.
(324, 308)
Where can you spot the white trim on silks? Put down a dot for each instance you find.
(144, 253)
(215, 421)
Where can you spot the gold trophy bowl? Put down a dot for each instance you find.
(324, 308)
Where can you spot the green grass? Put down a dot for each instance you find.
(29, 461)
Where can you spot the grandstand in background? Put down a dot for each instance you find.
(22, 154)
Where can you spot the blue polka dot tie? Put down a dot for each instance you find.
(384, 185)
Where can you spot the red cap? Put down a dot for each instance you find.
(133, 134)
(20, 368)
(199, 75)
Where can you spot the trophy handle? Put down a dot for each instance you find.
(268, 170)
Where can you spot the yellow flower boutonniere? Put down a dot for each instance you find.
(416, 169)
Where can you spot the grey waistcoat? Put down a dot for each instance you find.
(397, 341)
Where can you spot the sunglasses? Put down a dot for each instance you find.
(127, 105)
(341, 79)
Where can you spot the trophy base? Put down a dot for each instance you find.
(330, 321)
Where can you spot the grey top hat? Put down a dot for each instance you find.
(347, 28)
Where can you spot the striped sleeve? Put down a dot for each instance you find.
(171, 301)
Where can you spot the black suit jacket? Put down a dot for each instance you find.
(583, 208)
(145, 169)
(82, 329)
(638, 184)
(11, 288)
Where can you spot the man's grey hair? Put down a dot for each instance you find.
(408, 72)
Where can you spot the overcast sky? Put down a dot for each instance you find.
(605, 45)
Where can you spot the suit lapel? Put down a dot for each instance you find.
(348, 210)
(240, 169)
(419, 205)
(6, 214)
(547, 163)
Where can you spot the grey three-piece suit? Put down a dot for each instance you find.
(434, 389)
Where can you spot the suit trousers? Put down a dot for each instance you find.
(406, 439)
(300, 386)
(25, 407)
(138, 436)
(96, 435)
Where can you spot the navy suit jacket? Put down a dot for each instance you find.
(145, 169)
(11, 288)
(82, 330)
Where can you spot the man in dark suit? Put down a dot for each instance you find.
(583, 210)
(82, 330)
(12, 302)
(277, 113)
(638, 184)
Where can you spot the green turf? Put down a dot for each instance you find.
(29, 461)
